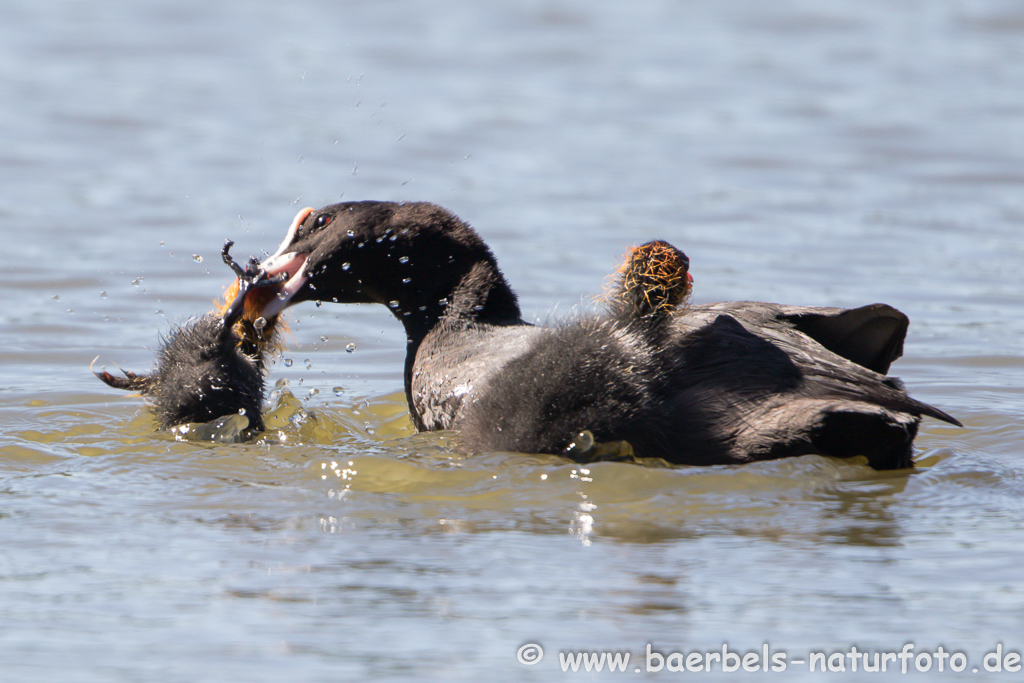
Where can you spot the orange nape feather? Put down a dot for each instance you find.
(654, 279)
(255, 340)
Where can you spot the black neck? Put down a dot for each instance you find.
(482, 296)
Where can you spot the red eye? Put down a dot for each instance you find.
(322, 220)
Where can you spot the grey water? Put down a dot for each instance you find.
(815, 153)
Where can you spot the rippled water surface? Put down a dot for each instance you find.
(818, 153)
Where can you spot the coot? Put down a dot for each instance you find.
(652, 282)
(717, 383)
(213, 366)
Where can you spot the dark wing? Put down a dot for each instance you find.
(871, 336)
(130, 381)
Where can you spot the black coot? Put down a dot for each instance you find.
(212, 366)
(707, 384)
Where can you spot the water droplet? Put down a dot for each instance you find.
(259, 323)
(351, 233)
(311, 286)
(135, 283)
(582, 445)
(393, 304)
(370, 430)
(159, 312)
(406, 280)
(288, 362)
(308, 363)
(241, 411)
(443, 302)
(350, 347)
(393, 238)
(197, 258)
(319, 303)
(338, 391)
(161, 243)
(346, 265)
(323, 338)
(55, 297)
(103, 294)
(313, 392)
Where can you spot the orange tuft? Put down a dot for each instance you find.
(265, 340)
(652, 278)
(229, 296)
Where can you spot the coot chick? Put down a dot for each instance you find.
(652, 282)
(648, 288)
(212, 366)
(724, 383)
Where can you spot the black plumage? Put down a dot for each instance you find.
(719, 383)
(205, 369)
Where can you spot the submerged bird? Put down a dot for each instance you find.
(215, 365)
(709, 384)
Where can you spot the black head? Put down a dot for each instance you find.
(418, 259)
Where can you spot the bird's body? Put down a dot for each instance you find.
(720, 383)
(211, 366)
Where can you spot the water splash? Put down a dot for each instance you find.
(227, 429)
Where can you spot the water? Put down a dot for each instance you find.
(818, 153)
